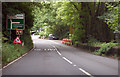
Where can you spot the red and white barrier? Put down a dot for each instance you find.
(66, 42)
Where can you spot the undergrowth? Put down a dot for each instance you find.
(11, 52)
(105, 47)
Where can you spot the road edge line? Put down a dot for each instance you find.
(18, 58)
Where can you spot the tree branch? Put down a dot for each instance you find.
(75, 6)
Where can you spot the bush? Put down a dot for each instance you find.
(11, 52)
(105, 47)
(4, 39)
(93, 42)
(26, 37)
(36, 33)
(46, 36)
(76, 43)
(78, 35)
(42, 33)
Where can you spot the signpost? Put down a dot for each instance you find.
(16, 22)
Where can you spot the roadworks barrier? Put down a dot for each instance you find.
(66, 41)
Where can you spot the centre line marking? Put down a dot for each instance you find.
(85, 72)
(59, 53)
(67, 60)
(72, 63)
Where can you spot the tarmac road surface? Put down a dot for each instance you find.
(50, 57)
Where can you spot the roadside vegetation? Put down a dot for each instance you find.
(104, 48)
(93, 23)
(87, 23)
(10, 51)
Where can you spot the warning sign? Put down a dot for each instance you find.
(17, 40)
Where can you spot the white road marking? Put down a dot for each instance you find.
(71, 62)
(67, 60)
(74, 65)
(49, 50)
(37, 49)
(17, 59)
(59, 53)
(24, 54)
(85, 72)
(12, 62)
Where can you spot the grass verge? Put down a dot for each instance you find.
(11, 52)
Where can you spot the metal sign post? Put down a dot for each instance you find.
(10, 35)
(16, 22)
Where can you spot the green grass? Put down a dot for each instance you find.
(11, 52)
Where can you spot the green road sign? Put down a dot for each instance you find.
(16, 22)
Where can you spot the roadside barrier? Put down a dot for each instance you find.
(66, 42)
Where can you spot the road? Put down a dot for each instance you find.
(50, 57)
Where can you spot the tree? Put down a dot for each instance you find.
(70, 15)
(83, 16)
(13, 8)
(112, 16)
(47, 15)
